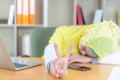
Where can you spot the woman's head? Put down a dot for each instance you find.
(102, 38)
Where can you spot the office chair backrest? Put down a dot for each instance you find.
(39, 39)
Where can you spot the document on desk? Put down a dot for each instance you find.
(115, 74)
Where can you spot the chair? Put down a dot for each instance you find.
(39, 39)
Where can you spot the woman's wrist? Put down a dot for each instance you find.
(48, 66)
(95, 61)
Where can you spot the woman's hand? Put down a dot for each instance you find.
(85, 51)
(59, 66)
(79, 58)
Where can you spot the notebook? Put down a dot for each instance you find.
(7, 62)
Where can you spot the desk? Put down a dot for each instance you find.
(98, 72)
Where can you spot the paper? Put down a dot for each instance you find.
(98, 16)
(11, 14)
(115, 74)
(112, 58)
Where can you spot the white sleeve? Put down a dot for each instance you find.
(113, 58)
(49, 54)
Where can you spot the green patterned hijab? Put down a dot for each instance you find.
(103, 38)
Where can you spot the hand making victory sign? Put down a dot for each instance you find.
(59, 66)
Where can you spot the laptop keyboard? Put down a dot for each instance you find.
(18, 65)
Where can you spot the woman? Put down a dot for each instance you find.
(88, 43)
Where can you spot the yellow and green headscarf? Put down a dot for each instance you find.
(103, 38)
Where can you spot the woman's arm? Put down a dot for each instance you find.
(49, 52)
(49, 55)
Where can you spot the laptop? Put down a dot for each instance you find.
(7, 62)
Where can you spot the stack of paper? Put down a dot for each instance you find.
(115, 74)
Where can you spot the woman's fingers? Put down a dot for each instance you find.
(52, 70)
(59, 67)
(72, 60)
(69, 51)
(63, 73)
(82, 49)
(57, 50)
